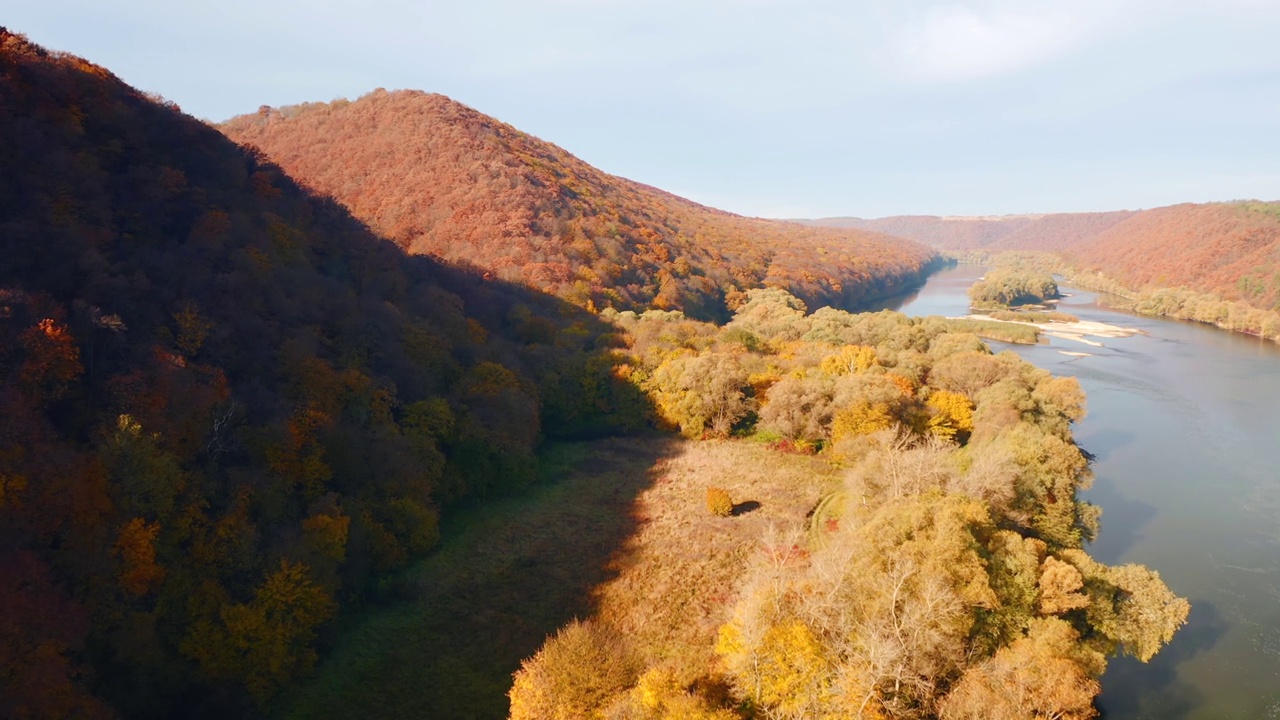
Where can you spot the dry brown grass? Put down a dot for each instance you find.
(620, 531)
(506, 575)
(679, 574)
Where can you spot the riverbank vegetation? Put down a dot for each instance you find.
(939, 573)
(1183, 304)
(1216, 263)
(1006, 286)
(1033, 316)
(1175, 302)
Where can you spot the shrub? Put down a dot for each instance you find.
(576, 674)
(719, 502)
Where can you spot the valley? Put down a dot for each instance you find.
(384, 407)
(1213, 262)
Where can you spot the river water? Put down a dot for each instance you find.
(1185, 422)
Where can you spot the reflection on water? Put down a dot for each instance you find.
(1183, 423)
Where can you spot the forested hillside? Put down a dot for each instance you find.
(1000, 232)
(230, 411)
(442, 179)
(1230, 251)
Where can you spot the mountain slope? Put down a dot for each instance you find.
(443, 179)
(999, 232)
(230, 411)
(1230, 250)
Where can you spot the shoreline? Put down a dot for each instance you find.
(1079, 331)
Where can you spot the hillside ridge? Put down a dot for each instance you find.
(439, 177)
(232, 412)
(1227, 249)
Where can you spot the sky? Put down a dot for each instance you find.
(773, 108)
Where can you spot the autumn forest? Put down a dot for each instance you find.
(383, 407)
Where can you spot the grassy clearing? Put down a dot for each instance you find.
(1034, 316)
(678, 576)
(505, 576)
(1009, 332)
(622, 530)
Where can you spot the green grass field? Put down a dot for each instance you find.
(505, 575)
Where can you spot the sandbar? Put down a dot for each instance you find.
(1079, 331)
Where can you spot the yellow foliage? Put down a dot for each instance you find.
(790, 349)
(654, 687)
(786, 672)
(719, 502)
(861, 418)
(850, 359)
(575, 675)
(701, 393)
(761, 382)
(660, 696)
(794, 669)
(953, 415)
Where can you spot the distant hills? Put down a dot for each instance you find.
(442, 179)
(997, 232)
(1231, 250)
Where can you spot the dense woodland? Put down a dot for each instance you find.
(231, 412)
(997, 233)
(944, 577)
(1217, 263)
(234, 413)
(443, 179)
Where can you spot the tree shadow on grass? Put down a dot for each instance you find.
(743, 508)
(506, 575)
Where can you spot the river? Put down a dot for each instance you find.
(1184, 420)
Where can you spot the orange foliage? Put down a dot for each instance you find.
(136, 547)
(1231, 250)
(445, 180)
(1004, 232)
(53, 360)
(207, 372)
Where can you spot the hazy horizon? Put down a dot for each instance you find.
(792, 110)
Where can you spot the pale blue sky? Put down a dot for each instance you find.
(767, 107)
